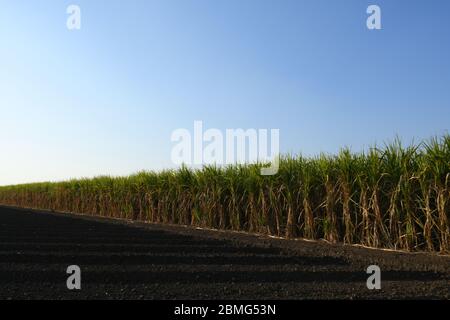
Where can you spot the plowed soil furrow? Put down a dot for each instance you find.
(123, 260)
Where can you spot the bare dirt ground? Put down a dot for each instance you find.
(126, 260)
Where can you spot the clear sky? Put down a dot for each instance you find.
(105, 99)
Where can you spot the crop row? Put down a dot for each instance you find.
(392, 197)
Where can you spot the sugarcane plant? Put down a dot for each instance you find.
(393, 196)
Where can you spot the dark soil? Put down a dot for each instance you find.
(126, 260)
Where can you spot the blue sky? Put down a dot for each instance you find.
(105, 99)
